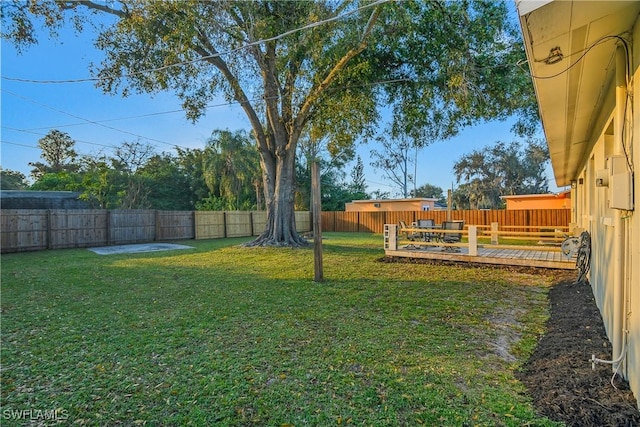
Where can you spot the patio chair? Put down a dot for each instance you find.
(427, 236)
(409, 235)
(452, 237)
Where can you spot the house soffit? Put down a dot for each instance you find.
(571, 92)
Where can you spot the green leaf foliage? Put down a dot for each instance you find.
(327, 68)
(500, 170)
(12, 180)
(58, 153)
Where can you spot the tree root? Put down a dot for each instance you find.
(270, 241)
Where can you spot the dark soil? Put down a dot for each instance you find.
(559, 376)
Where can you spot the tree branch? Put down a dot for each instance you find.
(210, 53)
(91, 5)
(340, 65)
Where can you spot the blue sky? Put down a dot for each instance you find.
(97, 121)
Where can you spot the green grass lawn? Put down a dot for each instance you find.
(225, 335)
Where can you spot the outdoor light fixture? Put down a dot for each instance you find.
(555, 56)
(574, 184)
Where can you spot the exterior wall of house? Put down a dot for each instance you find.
(390, 205)
(542, 201)
(615, 234)
(633, 223)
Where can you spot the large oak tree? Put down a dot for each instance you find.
(438, 65)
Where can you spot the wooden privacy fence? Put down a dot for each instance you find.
(38, 229)
(374, 222)
(33, 229)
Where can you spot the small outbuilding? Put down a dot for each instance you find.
(391, 205)
(18, 199)
(561, 200)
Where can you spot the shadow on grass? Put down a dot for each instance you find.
(237, 336)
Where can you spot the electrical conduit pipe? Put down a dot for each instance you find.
(618, 338)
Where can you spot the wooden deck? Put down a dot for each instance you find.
(544, 257)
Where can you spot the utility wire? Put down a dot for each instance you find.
(112, 120)
(379, 183)
(225, 104)
(18, 144)
(44, 134)
(204, 58)
(580, 58)
(87, 120)
(625, 45)
(140, 116)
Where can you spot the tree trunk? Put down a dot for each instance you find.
(279, 179)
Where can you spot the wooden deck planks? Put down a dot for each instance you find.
(499, 256)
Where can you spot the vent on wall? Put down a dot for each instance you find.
(376, 205)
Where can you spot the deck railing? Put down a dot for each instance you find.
(545, 239)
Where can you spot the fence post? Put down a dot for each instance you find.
(494, 236)
(384, 219)
(391, 237)
(193, 219)
(49, 233)
(157, 225)
(107, 224)
(316, 204)
(473, 240)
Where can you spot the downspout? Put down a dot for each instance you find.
(618, 335)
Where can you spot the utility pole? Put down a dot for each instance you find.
(317, 222)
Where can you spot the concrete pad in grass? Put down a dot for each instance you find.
(138, 248)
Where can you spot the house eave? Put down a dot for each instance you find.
(572, 92)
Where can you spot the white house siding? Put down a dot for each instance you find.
(633, 356)
(592, 213)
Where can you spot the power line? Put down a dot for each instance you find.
(87, 120)
(18, 144)
(225, 104)
(159, 113)
(110, 120)
(43, 134)
(379, 183)
(204, 58)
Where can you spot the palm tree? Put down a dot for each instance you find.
(232, 168)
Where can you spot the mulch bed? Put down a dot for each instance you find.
(558, 375)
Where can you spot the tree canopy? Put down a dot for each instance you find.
(430, 191)
(12, 180)
(58, 153)
(293, 66)
(500, 170)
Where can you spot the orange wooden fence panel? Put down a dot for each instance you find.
(373, 222)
